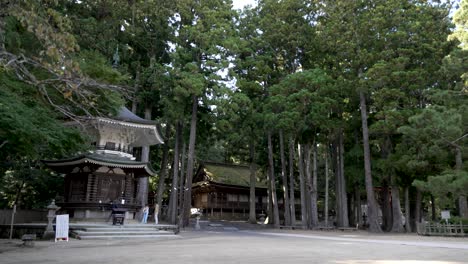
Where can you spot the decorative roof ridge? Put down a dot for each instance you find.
(226, 184)
(89, 158)
(126, 115)
(225, 164)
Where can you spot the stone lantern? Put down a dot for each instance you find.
(197, 217)
(52, 209)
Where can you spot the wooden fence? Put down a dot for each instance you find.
(23, 216)
(437, 229)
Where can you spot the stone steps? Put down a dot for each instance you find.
(122, 232)
(109, 237)
(127, 229)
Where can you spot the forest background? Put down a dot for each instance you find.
(338, 100)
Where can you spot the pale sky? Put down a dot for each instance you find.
(239, 4)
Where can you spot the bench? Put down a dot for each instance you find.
(290, 227)
(326, 228)
(347, 228)
(28, 240)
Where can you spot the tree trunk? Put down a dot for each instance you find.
(433, 208)
(4, 9)
(343, 195)
(292, 202)
(190, 163)
(407, 211)
(276, 221)
(326, 186)
(386, 207)
(462, 204)
(314, 194)
(357, 201)
(373, 217)
(308, 181)
(287, 215)
(163, 171)
(143, 182)
(303, 187)
(182, 174)
(253, 180)
(417, 211)
(269, 202)
(175, 178)
(397, 225)
(135, 99)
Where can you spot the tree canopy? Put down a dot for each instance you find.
(375, 89)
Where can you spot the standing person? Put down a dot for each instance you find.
(145, 214)
(156, 212)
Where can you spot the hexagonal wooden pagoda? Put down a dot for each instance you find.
(107, 176)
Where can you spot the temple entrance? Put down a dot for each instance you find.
(111, 188)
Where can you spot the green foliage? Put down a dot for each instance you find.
(28, 124)
(301, 103)
(447, 186)
(460, 19)
(29, 187)
(30, 130)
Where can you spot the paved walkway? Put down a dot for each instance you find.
(258, 246)
(455, 243)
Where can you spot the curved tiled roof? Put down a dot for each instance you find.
(128, 116)
(103, 160)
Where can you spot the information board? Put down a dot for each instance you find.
(445, 214)
(61, 228)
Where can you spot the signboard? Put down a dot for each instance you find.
(61, 228)
(445, 214)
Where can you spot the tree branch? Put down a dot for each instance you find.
(79, 86)
(3, 143)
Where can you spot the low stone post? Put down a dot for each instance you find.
(52, 209)
(262, 218)
(197, 223)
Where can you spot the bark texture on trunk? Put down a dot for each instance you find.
(463, 206)
(287, 213)
(326, 188)
(190, 163)
(433, 208)
(462, 203)
(269, 202)
(302, 186)
(308, 182)
(417, 210)
(314, 193)
(253, 180)
(3, 14)
(344, 221)
(136, 87)
(292, 202)
(163, 171)
(274, 200)
(357, 201)
(386, 207)
(175, 176)
(407, 211)
(143, 183)
(182, 175)
(373, 217)
(397, 225)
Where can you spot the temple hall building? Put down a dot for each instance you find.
(108, 175)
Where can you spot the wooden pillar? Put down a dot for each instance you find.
(88, 188)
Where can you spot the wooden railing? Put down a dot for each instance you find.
(437, 229)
